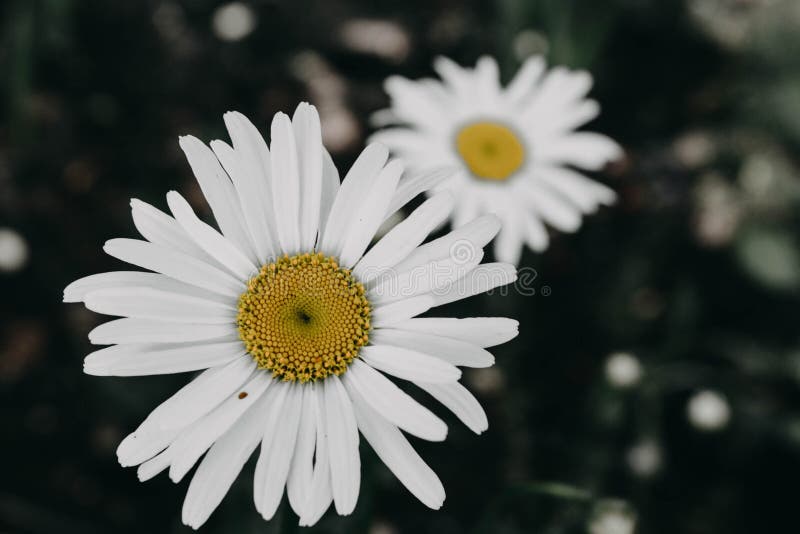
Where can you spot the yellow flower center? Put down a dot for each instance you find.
(303, 317)
(490, 150)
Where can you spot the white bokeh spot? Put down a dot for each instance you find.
(708, 411)
(233, 21)
(623, 370)
(13, 250)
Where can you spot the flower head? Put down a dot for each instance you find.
(514, 148)
(294, 321)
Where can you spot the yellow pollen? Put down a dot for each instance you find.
(304, 317)
(490, 150)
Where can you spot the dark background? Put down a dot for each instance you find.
(695, 272)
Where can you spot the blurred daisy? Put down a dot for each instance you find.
(515, 148)
(295, 324)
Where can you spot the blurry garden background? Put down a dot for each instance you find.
(655, 384)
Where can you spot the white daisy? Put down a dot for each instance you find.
(293, 321)
(514, 147)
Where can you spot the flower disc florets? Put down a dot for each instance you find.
(304, 317)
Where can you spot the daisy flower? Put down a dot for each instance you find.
(295, 322)
(514, 147)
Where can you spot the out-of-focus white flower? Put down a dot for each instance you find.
(340, 129)
(708, 410)
(623, 370)
(769, 255)
(13, 250)
(514, 148)
(611, 516)
(295, 321)
(233, 21)
(382, 527)
(487, 381)
(378, 37)
(718, 210)
(694, 149)
(645, 458)
(324, 84)
(169, 20)
(733, 22)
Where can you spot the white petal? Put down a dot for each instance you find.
(461, 402)
(561, 92)
(77, 290)
(462, 244)
(281, 450)
(547, 96)
(480, 280)
(437, 276)
(454, 74)
(586, 193)
(160, 359)
(367, 217)
(153, 466)
(351, 196)
(211, 241)
(404, 142)
(222, 465)
(396, 452)
(481, 331)
(305, 123)
(320, 493)
(488, 80)
(146, 303)
(525, 80)
(251, 191)
(535, 233)
(389, 314)
(174, 264)
(144, 443)
(133, 330)
(587, 150)
(409, 364)
(453, 351)
(203, 394)
(193, 442)
(285, 184)
(161, 229)
(552, 207)
(574, 116)
(405, 237)
(570, 89)
(219, 192)
(393, 403)
(150, 437)
(298, 485)
(273, 418)
(508, 245)
(383, 117)
(342, 433)
(330, 190)
(254, 159)
(417, 183)
(412, 103)
(469, 207)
